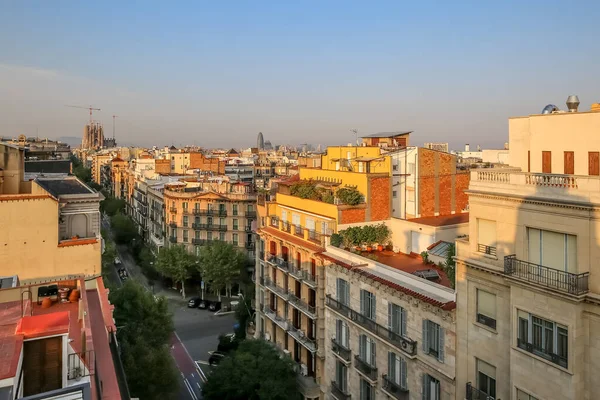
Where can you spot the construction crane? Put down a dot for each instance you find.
(87, 108)
(114, 116)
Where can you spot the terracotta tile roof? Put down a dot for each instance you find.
(290, 238)
(442, 220)
(117, 159)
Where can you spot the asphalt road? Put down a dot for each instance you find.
(196, 330)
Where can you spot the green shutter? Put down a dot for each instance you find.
(442, 332)
(402, 321)
(425, 336)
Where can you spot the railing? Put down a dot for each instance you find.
(250, 214)
(198, 226)
(274, 221)
(568, 282)
(301, 337)
(299, 231)
(272, 315)
(407, 345)
(248, 229)
(485, 320)
(80, 364)
(222, 213)
(316, 237)
(338, 392)
(173, 209)
(365, 368)
(301, 304)
(198, 241)
(341, 350)
(250, 245)
(393, 388)
(119, 370)
(186, 210)
(482, 248)
(286, 227)
(279, 262)
(274, 288)
(296, 272)
(200, 211)
(538, 351)
(475, 394)
(172, 239)
(173, 224)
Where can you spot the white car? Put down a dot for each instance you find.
(117, 261)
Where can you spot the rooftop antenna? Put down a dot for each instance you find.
(114, 116)
(355, 131)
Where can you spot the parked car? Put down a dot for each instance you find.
(123, 274)
(204, 304)
(215, 358)
(117, 261)
(194, 302)
(214, 306)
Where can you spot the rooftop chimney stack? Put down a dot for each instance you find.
(573, 103)
(467, 147)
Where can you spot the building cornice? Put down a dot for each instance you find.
(533, 200)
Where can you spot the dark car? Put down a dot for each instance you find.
(214, 306)
(194, 302)
(204, 304)
(215, 358)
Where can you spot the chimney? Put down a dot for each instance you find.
(467, 148)
(573, 103)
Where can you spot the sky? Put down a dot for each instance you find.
(214, 74)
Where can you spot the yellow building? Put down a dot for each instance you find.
(293, 232)
(99, 160)
(528, 291)
(49, 227)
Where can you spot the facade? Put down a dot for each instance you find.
(93, 136)
(437, 147)
(157, 226)
(99, 161)
(389, 333)
(118, 177)
(528, 315)
(387, 139)
(199, 211)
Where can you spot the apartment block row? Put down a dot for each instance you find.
(517, 321)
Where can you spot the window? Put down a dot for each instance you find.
(433, 339)
(185, 235)
(361, 166)
(197, 220)
(431, 388)
(341, 376)
(552, 249)
(366, 390)
(543, 338)
(343, 291)
(395, 167)
(486, 308)
(396, 319)
(486, 234)
(366, 350)
(284, 215)
(222, 222)
(310, 224)
(521, 395)
(397, 370)
(196, 234)
(342, 333)
(185, 205)
(222, 236)
(235, 239)
(410, 195)
(486, 378)
(234, 210)
(209, 220)
(249, 208)
(411, 168)
(185, 220)
(394, 194)
(368, 304)
(295, 219)
(208, 236)
(197, 206)
(174, 232)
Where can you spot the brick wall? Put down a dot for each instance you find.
(379, 201)
(352, 215)
(162, 166)
(461, 183)
(427, 183)
(197, 160)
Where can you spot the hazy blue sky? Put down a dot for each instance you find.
(216, 73)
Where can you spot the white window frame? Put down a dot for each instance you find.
(397, 370)
(528, 344)
(342, 333)
(400, 327)
(433, 339)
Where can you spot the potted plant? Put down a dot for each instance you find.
(336, 240)
(382, 234)
(369, 236)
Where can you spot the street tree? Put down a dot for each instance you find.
(220, 265)
(112, 206)
(254, 371)
(176, 263)
(124, 229)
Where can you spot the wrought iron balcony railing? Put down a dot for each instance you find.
(368, 370)
(405, 344)
(342, 351)
(482, 248)
(563, 361)
(338, 392)
(568, 282)
(302, 305)
(475, 394)
(81, 364)
(393, 388)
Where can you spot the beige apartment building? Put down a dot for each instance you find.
(528, 287)
(389, 333)
(199, 211)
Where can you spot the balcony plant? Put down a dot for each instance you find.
(349, 195)
(369, 236)
(383, 235)
(336, 239)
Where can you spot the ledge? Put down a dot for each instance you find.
(76, 242)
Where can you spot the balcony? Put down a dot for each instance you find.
(279, 291)
(341, 351)
(567, 282)
(338, 392)
(274, 221)
(299, 231)
(278, 262)
(543, 353)
(475, 394)
(407, 345)
(173, 224)
(250, 214)
(198, 226)
(317, 237)
(302, 305)
(393, 389)
(286, 227)
(489, 250)
(296, 272)
(173, 210)
(173, 239)
(199, 241)
(272, 315)
(249, 245)
(369, 371)
(186, 210)
(303, 339)
(222, 213)
(77, 364)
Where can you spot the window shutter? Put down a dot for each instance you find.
(362, 301)
(403, 374)
(425, 336)
(373, 360)
(391, 365)
(425, 387)
(390, 318)
(442, 332)
(361, 346)
(403, 321)
(373, 307)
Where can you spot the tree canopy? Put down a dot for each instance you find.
(124, 229)
(254, 371)
(220, 264)
(145, 327)
(176, 263)
(112, 206)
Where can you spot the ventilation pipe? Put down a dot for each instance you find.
(573, 103)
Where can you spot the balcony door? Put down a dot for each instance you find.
(42, 365)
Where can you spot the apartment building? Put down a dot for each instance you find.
(293, 231)
(390, 333)
(50, 226)
(119, 177)
(99, 161)
(528, 313)
(201, 210)
(157, 226)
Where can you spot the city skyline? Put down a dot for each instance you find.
(214, 76)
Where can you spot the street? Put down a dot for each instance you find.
(196, 330)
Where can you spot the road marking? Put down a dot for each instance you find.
(201, 362)
(199, 387)
(190, 389)
(202, 375)
(182, 345)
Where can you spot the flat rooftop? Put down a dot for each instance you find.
(64, 186)
(443, 220)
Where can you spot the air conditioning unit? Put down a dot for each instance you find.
(303, 369)
(267, 336)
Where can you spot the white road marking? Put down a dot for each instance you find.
(199, 387)
(201, 362)
(190, 389)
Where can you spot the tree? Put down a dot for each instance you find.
(145, 327)
(450, 265)
(220, 265)
(84, 174)
(256, 370)
(124, 229)
(176, 263)
(112, 206)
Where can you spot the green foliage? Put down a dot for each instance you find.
(336, 240)
(350, 196)
(369, 234)
(328, 197)
(450, 265)
(146, 260)
(84, 174)
(145, 327)
(242, 314)
(124, 229)
(220, 264)
(176, 263)
(382, 234)
(364, 235)
(306, 189)
(255, 371)
(425, 257)
(227, 345)
(112, 206)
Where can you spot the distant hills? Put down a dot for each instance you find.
(72, 141)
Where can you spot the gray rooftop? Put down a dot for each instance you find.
(64, 186)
